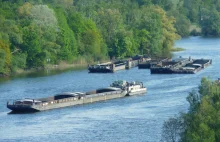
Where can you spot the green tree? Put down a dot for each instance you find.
(31, 45)
(66, 38)
(5, 60)
(19, 61)
(172, 128)
(210, 22)
(123, 45)
(202, 122)
(43, 16)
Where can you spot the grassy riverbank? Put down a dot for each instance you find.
(61, 67)
(48, 69)
(177, 49)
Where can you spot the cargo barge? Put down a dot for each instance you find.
(111, 67)
(136, 60)
(180, 66)
(118, 89)
(150, 63)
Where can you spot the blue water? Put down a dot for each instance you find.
(135, 119)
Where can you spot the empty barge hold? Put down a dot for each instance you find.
(136, 60)
(150, 63)
(101, 68)
(111, 67)
(181, 66)
(75, 98)
(108, 67)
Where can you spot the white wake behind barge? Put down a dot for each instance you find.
(118, 89)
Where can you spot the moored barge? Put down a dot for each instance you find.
(180, 66)
(111, 67)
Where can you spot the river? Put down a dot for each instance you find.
(136, 119)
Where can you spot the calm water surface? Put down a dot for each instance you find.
(136, 119)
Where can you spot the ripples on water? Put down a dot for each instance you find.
(137, 118)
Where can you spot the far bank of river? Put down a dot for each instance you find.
(51, 69)
(47, 71)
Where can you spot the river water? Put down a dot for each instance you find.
(136, 119)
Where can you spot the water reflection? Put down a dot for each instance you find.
(40, 73)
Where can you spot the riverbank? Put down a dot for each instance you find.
(62, 66)
(50, 68)
(177, 49)
(80, 63)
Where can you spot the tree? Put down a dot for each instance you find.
(169, 32)
(68, 29)
(66, 38)
(172, 128)
(210, 22)
(31, 45)
(202, 122)
(123, 45)
(2, 61)
(19, 61)
(110, 21)
(43, 16)
(92, 43)
(25, 10)
(5, 60)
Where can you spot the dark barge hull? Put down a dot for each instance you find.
(144, 66)
(112, 69)
(100, 70)
(161, 71)
(197, 66)
(170, 71)
(15, 108)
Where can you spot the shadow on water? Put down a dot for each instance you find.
(16, 112)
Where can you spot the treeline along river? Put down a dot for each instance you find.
(138, 118)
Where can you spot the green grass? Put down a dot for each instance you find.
(177, 49)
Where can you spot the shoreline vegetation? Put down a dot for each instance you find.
(64, 66)
(34, 34)
(202, 121)
(177, 49)
(60, 67)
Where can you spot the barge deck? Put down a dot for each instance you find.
(181, 66)
(117, 90)
(111, 67)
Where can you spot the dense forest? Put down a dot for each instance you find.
(35, 33)
(202, 122)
